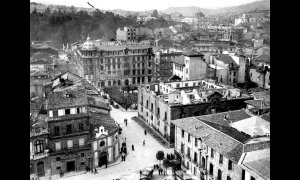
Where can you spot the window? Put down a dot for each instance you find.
(186, 84)
(234, 73)
(81, 141)
(196, 142)
(58, 168)
(188, 152)
(143, 71)
(38, 146)
(195, 157)
(212, 153)
(186, 71)
(58, 146)
(178, 85)
(221, 159)
(182, 148)
(78, 110)
(189, 138)
(82, 154)
(56, 130)
(182, 133)
(219, 175)
(211, 169)
(69, 128)
(229, 165)
(166, 116)
(149, 64)
(55, 113)
(252, 178)
(70, 143)
(149, 71)
(82, 163)
(228, 178)
(58, 159)
(233, 80)
(243, 174)
(80, 127)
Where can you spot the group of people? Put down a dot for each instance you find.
(160, 170)
(88, 169)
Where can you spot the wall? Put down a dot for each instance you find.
(197, 67)
(121, 35)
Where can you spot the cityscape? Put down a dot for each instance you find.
(126, 91)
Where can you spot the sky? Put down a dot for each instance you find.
(142, 5)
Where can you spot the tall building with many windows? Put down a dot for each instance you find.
(113, 63)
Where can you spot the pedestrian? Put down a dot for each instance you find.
(92, 171)
(164, 172)
(106, 165)
(132, 147)
(140, 172)
(154, 166)
(144, 143)
(145, 132)
(86, 168)
(95, 171)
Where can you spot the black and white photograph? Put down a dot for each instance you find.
(149, 89)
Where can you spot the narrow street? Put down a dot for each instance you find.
(141, 157)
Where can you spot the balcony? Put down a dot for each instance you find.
(39, 155)
(195, 162)
(68, 134)
(44, 131)
(76, 147)
(189, 157)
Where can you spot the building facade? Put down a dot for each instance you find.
(108, 65)
(160, 103)
(191, 65)
(215, 146)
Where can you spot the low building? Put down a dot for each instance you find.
(260, 71)
(191, 65)
(38, 79)
(218, 146)
(161, 103)
(133, 33)
(106, 145)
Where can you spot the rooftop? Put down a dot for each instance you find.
(260, 104)
(223, 144)
(178, 60)
(192, 53)
(67, 98)
(105, 120)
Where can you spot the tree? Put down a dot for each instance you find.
(155, 13)
(160, 155)
(167, 163)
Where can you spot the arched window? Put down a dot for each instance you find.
(39, 146)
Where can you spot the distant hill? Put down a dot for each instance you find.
(190, 11)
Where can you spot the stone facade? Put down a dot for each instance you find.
(108, 65)
(159, 113)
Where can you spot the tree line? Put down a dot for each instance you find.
(69, 26)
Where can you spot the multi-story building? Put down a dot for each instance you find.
(114, 64)
(220, 146)
(163, 64)
(133, 33)
(161, 103)
(39, 150)
(190, 65)
(69, 126)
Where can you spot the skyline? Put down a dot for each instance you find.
(136, 5)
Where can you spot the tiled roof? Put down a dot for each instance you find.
(266, 116)
(254, 126)
(231, 116)
(39, 73)
(98, 103)
(260, 166)
(58, 99)
(178, 60)
(261, 94)
(262, 58)
(106, 47)
(228, 146)
(40, 62)
(258, 104)
(226, 59)
(192, 53)
(105, 120)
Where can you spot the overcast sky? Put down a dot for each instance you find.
(142, 5)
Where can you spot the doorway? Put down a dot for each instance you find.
(40, 168)
(70, 166)
(102, 159)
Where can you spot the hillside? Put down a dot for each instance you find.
(190, 11)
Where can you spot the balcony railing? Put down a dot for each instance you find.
(44, 131)
(39, 155)
(73, 132)
(76, 147)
